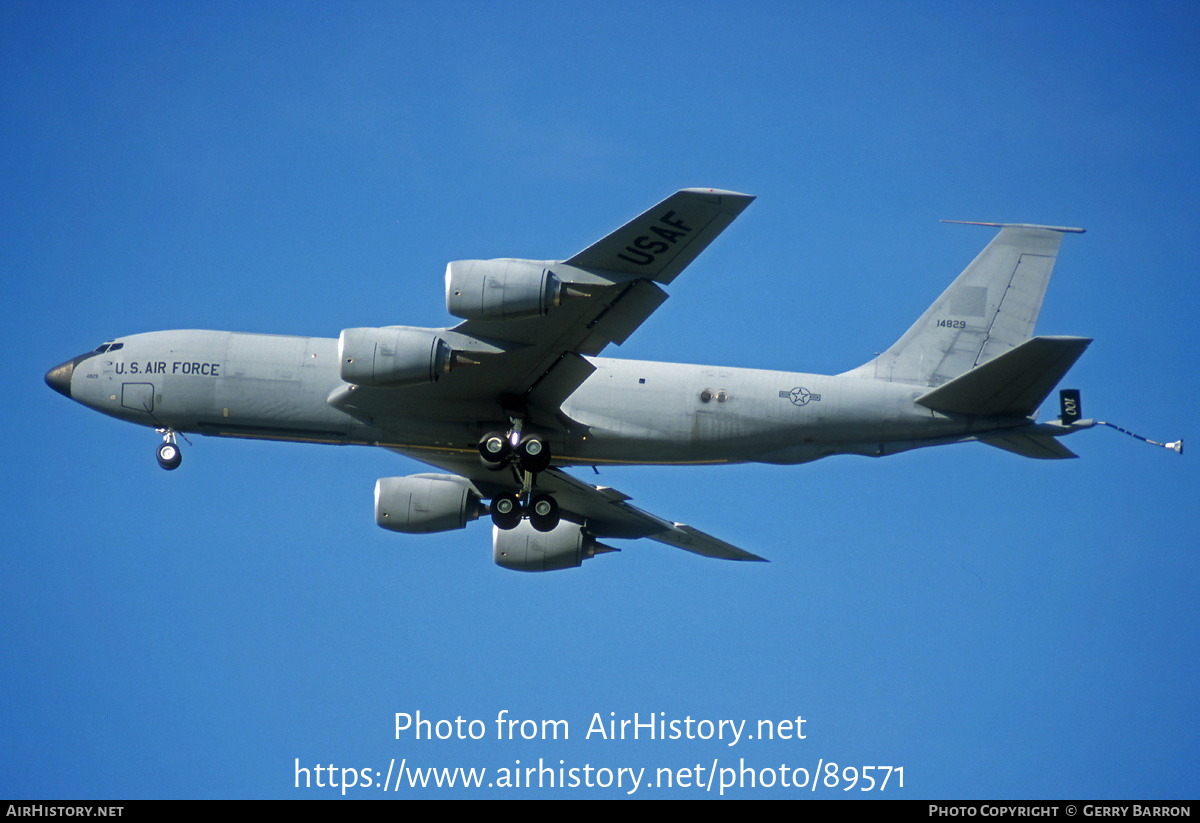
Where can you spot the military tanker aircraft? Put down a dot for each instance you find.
(502, 403)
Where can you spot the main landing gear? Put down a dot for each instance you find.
(541, 510)
(526, 454)
(169, 454)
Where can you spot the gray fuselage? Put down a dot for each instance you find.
(631, 412)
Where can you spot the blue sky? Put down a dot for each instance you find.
(998, 627)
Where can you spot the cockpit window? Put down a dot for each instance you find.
(106, 347)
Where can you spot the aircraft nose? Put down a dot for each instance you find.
(59, 377)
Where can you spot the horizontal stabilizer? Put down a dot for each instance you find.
(1037, 446)
(1012, 384)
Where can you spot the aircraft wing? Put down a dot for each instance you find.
(661, 241)
(537, 362)
(605, 511)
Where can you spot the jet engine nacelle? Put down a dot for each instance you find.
(525, 549)
(392, 356)
(424, 503)
(500, 289)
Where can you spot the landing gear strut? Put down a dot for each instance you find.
(169, 454)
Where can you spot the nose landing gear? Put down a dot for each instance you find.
(169, 454)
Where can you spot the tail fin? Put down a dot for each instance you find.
(991, 308)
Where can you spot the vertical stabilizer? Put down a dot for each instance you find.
(991, 308)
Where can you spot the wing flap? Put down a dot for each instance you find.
(622, 317)
(556, 385)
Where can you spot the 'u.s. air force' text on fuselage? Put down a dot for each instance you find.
(160, 367)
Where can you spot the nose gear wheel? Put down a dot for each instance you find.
(169, 455)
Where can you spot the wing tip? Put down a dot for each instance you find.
(718, 192)
(1064, 229)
